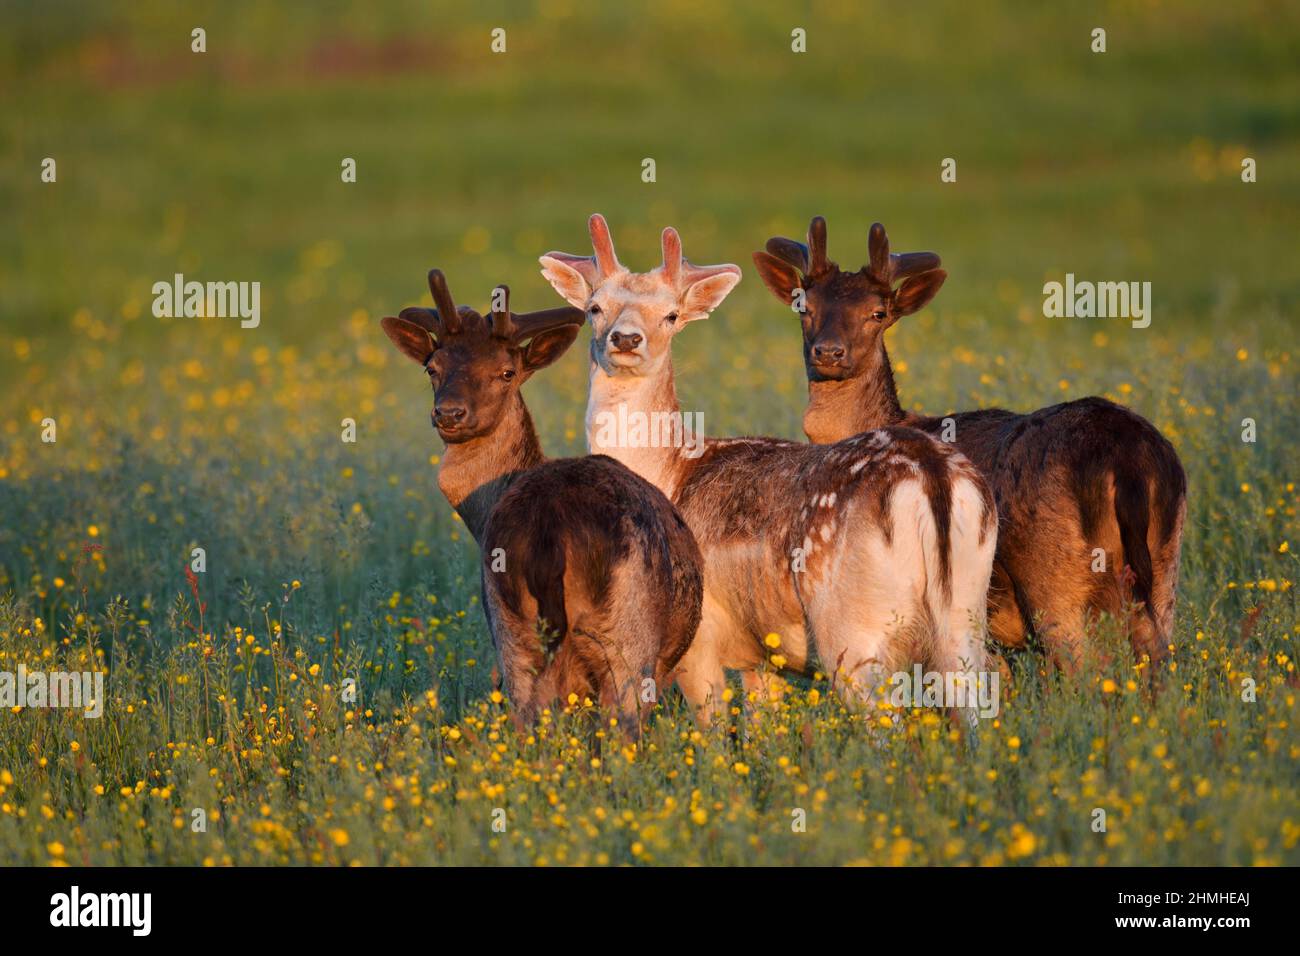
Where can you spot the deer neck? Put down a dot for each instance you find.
(475, 474)
(840, 409)
(633, 419)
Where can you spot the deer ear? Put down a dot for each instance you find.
(780, 277)
(705, 295)
(545, 347)
(916, 292)
(411, 340)
(567, 281)
(788, 250)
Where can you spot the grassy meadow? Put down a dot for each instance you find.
(328, 560)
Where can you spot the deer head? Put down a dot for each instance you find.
(477, 364)
(634, 315)
(845, 314)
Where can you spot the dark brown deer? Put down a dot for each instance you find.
(875, 552)
(591, 580)
(1081, 486)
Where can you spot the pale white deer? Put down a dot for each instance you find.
(874, 552)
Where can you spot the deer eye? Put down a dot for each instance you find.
(593, 309)
(879, 315)
(508, 375)
(671, 317)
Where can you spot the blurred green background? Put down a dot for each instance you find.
(1119, 165)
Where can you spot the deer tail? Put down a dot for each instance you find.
(544, 578)
(1133, 515)
(935, 532)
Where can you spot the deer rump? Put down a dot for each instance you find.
(1067, 479)
(601, 587)
(878, 547)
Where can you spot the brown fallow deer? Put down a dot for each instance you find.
(875, 552)
(1091, 497)
(591, 581)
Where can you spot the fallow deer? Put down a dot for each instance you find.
(874, 552)
(1068, 479)
(591, 581)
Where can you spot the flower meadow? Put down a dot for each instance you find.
(322, 690)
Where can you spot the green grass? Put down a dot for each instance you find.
(183, 433)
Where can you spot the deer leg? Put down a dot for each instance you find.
(1140, 625)
(766, 686)
(961, 654)
(627, 642)
(521, 665)
(700, 673)
(1006, 622)
(521, 683)
(617, 690)
(702, 681)
(1063, 630)
(858, 658)
(617, 654)
(959, 641)
(763, 689)
(1152, 632)
(1056, 587)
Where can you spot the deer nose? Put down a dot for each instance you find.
(625, 341)
(448, 414)
(832, 351)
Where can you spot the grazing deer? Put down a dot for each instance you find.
(1073, 482)
(875, 552)
(591, 580)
